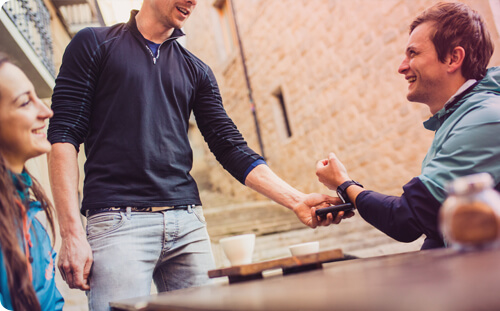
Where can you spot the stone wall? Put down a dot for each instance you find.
(336, 63)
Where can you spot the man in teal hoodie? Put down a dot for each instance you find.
(445, 65)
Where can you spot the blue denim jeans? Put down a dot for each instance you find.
(131, 249)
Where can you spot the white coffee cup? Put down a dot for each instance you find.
(304, 248)
(239, 249)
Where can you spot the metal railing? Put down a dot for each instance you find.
(32, 18)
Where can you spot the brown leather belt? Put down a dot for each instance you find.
(152, 209)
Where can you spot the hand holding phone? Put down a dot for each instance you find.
(334, 209)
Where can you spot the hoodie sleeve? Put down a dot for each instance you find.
(58, 298)
(4, 286)
(403, 218)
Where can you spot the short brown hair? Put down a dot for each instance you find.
(456, 24)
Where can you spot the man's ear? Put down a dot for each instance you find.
(456, 59)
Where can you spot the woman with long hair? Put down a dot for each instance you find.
(26, 257)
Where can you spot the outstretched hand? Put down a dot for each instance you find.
(263, 180)
(306, 210)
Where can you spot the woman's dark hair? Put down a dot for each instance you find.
(456, 24)
(22, 293)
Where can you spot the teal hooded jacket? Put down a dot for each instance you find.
(43, 265)
(467, 141)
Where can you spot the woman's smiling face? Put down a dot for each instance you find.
(22, 118)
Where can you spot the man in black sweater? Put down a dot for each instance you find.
(127, 92)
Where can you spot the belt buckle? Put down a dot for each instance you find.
(161, 208)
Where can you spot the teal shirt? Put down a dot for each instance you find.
(467, 139)
(44, 257)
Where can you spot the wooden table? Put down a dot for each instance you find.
(435, 280)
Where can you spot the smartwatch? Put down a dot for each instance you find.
(341, 190)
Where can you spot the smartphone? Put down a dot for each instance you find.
(334, 209)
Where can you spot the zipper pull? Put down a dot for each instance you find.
(154, 60)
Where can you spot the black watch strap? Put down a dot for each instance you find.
(342, 190)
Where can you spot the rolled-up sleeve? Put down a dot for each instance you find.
(75, 85)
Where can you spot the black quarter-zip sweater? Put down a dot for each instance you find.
(131, 109)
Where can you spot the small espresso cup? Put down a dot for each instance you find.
(238, 249)
(304, 248)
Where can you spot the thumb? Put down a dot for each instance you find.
(332, 157)
(321, 163)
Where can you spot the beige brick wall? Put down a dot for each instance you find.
(60, 38)
(336, 62)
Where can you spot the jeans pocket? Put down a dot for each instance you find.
(198, 211)
(103, 224)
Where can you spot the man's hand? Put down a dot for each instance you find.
(75, 261)
(75, 256)
(306, 210)
(331, 172)
(263, 180)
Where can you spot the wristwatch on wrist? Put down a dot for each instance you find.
(342, 190)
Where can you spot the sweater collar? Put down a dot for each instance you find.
(132, 25)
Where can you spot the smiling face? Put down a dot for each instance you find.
(173, 13)
(22, 119)
(426, 75)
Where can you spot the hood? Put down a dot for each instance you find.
(491, 82)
